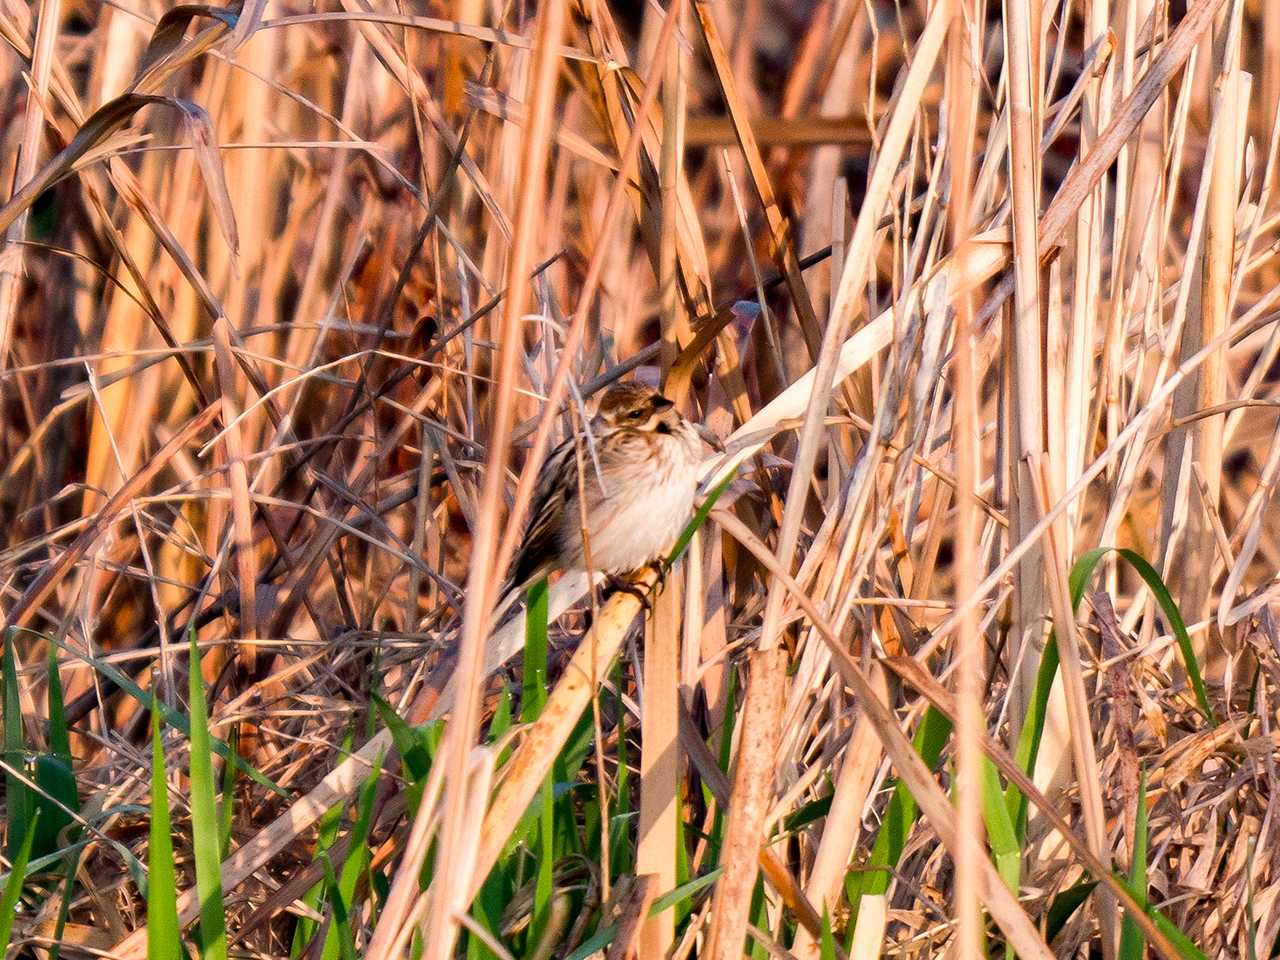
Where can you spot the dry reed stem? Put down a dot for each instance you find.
(21, 612)
(11, 252)
(450, 890)
(1002, 905)
(660, 756)
(961, 105)
(1023, 423)
(369, 161)
(748, 802)
(781, 237)
(595, 268)
(541, 743)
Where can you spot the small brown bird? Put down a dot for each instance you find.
(640, 481)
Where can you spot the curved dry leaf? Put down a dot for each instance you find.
(204, 142)
(101, 125)
(172, 27)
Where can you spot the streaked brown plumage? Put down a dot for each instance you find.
(640, 488)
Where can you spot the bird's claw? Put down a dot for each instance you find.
(660, 569)
(623, 585)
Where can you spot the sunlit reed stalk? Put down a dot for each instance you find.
(961, 109)
(449, 894)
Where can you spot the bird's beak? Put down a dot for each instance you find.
(708, 435)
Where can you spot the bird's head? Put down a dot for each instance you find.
(633, 406)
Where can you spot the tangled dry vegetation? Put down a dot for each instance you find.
(983, 297)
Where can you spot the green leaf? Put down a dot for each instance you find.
(18, 802)
(699, 518)
(1083, 570)
(170, 716)
(1132, 941)
(1174, 616)
(341, 925)
(1181, 942)
(13, 889)
(305, 929)
(54, 774)
(212, 938)
(828, 944)
(544, 857)
(501, 722)
(1005, 848)
(1033, 722)
(226, 808)
(357, 860)
(808, 813)
(900, 816)
(57, 783)
(596, 943)
(163, 940)
(684, 891)
(1032, 731)
(1064, 905)
(409, 743)
(70, 867)
(59, 735)
(534, 690)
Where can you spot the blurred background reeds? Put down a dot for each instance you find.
(971, 649)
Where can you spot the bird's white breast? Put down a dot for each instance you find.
(648, 505)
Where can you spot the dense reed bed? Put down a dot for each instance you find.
(971, 646)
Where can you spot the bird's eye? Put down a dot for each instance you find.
(635, 414)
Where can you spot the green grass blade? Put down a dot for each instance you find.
(899, 818)
(1174, 616)
(355, 864)
(1006, 850)
(163, 940)
(501, 722)
(595, 943)
(13, 889)
(204, 822)
(18, 803)
(1132, 941)
(699, 518)
(1033, 723)
(226, 808)
(828, 945)
(534, 689)
(413, 752)
(59, 735)
(330, 822)
(1032, 730)
(1083, 570)
(1064, 906)
(1181, 942)
(810, 812)
(685, 891)
(873, 878)
(544, 885)
(170, 716)
(341, 925)
(70, 867)
(53, 771)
